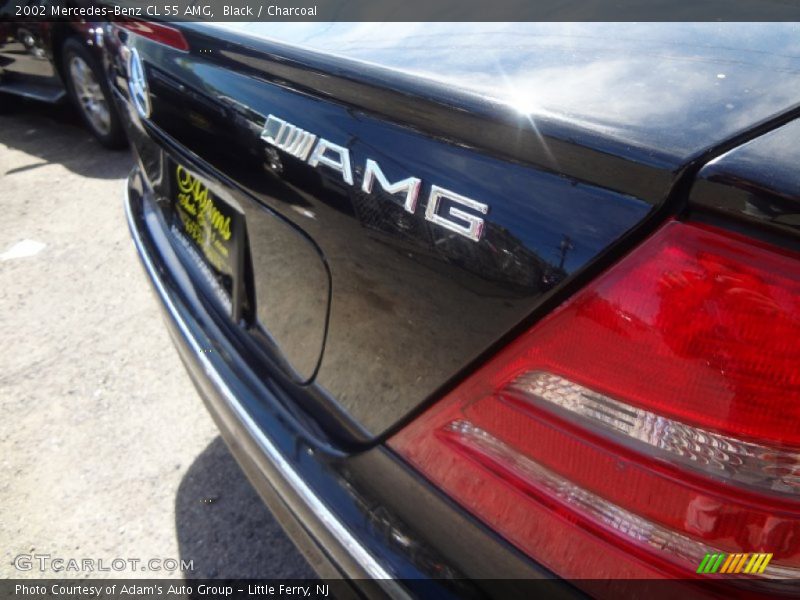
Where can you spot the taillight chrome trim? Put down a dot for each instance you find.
(758, 467)
(502, 459)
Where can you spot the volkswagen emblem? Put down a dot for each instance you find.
(137, 85)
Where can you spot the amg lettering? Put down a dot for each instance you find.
(459, 217)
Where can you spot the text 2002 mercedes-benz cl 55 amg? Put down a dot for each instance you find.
(475, 304)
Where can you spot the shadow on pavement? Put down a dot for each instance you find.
(225, 528)
(56, 134)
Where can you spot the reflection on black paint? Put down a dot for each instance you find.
(757, 182)
(411, 302)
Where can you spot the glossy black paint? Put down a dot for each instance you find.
(757, 183)
(373, 493)
(618, 104)
(411, 304)
(568, 166)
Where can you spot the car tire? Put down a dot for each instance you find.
(89, 91)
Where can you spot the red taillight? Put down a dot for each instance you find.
(652, 419)
(163, 34)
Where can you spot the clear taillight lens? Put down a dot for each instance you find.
(773, 469)
(650, 421)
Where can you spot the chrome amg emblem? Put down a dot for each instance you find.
(318, 151)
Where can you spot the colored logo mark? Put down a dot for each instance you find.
(754, 562)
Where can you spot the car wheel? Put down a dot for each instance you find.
(89, 91)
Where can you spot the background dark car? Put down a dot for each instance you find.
(53, 61)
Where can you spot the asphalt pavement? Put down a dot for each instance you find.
(105, 447)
